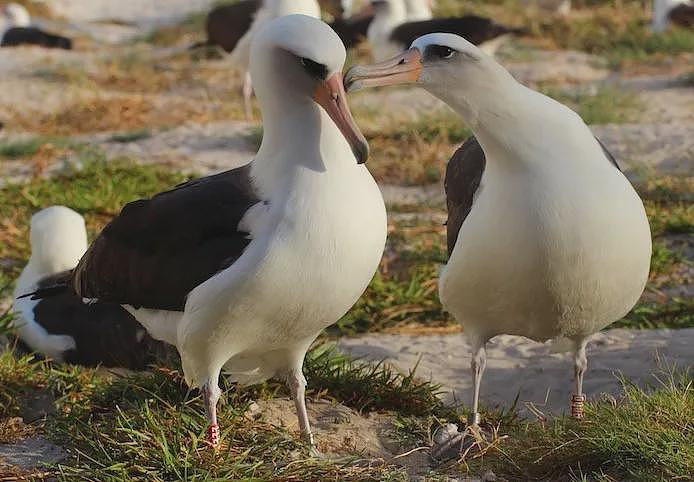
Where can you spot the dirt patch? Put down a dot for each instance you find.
(520, 367)
(341, 431)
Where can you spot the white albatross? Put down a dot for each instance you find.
(547, 238)
(242, 270)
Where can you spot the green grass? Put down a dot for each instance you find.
(619, 31)
(97, 190)
(151, 427)
(606, 105)
(645, 435)
(26, 148)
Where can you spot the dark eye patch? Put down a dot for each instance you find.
(439, 52)
(314, 69)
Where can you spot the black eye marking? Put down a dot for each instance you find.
(440, 52)
(319, 71)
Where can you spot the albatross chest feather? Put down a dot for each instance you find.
(542, 257)
(336, 226)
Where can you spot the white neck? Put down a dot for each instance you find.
(418, 10)
(661, 12)
(386, 19)
(296, 135)
(19, 17)
(510, 119)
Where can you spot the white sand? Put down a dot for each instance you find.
(519, 365)
(140, 12)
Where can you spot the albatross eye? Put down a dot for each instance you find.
(314, 69)
(440, 52)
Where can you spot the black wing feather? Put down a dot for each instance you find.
(16, 36)
(608, 154)
(156, 251)
(226, 24)
(463, 178)
(474, 29)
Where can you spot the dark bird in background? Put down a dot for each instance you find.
(227, 24)
(672, 12)
(390, 31)
(21, 32)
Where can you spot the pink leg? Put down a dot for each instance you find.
(210, 395)
(580, 365)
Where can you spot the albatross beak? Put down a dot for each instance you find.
(332, 97)
(402, 69)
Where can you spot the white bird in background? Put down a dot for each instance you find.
(667, 12)
(269, 10)
(16, 16)
(63, 327)
(16, 29)
(242, 270)
(547, 238)
(419, 10)
(58, 241)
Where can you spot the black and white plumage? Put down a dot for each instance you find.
(547, 237)
(230, 28)
(672, 12)
(183, 238)
(241, 271)
(391, 31)
(63, 327)
(353, 30)
(19, 31)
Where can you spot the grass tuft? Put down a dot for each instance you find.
(645, 435)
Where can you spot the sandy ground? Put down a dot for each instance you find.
(520, 366)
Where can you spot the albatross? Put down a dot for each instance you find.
(19, 31)
(392, 31)
(546, 236)
(233, 27)
(62, 327)
(242, 270)
(668, 12)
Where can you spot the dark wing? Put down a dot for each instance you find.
(608, 154)
(156, 251)
(33, 36)
(353, 30)
(226, 24)
(474, 29)
(463, 177)
(104, 333)
(682, 15)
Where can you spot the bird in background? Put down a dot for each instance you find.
(17, 30)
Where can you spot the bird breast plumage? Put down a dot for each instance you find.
(336, 225)
(545, 256)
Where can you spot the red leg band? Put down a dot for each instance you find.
(213, 434)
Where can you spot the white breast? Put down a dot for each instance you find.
(558, 249)
(310, 260)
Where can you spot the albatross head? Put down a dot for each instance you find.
(16, 15)
(297, 60)
(446, 65)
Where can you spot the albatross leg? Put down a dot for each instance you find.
(210, 395)
(580, 365)
(297, 385)
(477, 364)
(247, 95)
